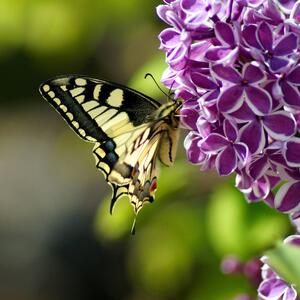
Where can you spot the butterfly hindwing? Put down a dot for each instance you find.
(141, 161)
(129, 129)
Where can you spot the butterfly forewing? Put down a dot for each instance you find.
(129, 129)
(97, 109)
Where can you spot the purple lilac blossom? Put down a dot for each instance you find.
(250, 269)
(236, 66)
(272, 286)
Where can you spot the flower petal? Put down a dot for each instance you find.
(242, 153)
(194, 21)
(273, 15)
(177, 57)
(193, 151)
(295, 218)
(274, 90)
(169, 38)
(261, 188)
(265, 36)
(253, 136)
(203, 81)
(276, 63)
(169, 78)
(259, 100)
(286, 45)
(204, 127)
(286, 5)
(253, 73)
(295, 13)
(211, 97)
(243, 114)
(224, 33)
(220, 54)
(280, 125)
(249, 35)
(294, 76)
(231, 99)
(192, 6)
(226, 161)
(287, 198)
(290, 294)
(168, 15)
(258, 167)
(243, 181)
(272, 288)
(291, 95)
(230, 130)
(269, 199)
(210, 113)
(198, 49)
(291, 152)
(189, 117)
(214, 143)
(293, 240)
(227, 73)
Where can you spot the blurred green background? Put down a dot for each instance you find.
(57, 238)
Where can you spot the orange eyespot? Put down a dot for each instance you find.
(153, 186)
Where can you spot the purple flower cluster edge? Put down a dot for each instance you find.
(235, 64)
(272, 286)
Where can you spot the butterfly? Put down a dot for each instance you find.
(129, 130)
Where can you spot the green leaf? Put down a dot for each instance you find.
(285, 260)
(237, 227)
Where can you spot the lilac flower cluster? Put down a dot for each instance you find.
(236, 65)
(272, 286)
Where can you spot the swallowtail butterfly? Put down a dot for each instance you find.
(129, 130)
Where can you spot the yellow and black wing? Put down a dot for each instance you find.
(129, 129)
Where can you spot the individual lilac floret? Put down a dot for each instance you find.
(228, 49)
(288, 88)
(278, 125)
(272, 286)
(176, 43)
(275, 54)
(287, 198)
(236, 66)
(230, 153)
(242, 87)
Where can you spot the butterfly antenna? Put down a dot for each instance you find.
(170, 93)
(149, 74)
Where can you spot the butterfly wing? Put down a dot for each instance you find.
(97, 110)
(116, 118)
(135, 173)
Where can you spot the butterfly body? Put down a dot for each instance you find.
(130, 131)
